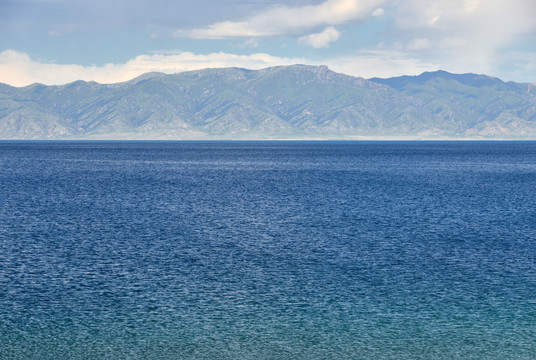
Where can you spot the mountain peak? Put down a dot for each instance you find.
(468, 79)
(146, 76)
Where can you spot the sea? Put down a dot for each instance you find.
(267, 250)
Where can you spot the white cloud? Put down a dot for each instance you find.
(490, 23)
(321, 40)
(280, 20)
(452, 43)
(461, 35)
(378, 12)
(419, 44)
(18, 69)
(380, 63)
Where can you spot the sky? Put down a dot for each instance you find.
(59, 41)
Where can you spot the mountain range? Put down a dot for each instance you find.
(287, 102)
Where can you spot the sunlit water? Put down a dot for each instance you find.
(268, 250)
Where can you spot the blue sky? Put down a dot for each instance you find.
(59, 41)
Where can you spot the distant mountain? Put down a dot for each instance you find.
(288, 102)
(470, 105)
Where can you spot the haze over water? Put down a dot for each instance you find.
(268, 250)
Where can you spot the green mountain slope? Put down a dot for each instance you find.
(281, 102)
(470, 104)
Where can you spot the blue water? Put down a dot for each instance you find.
(267, 250)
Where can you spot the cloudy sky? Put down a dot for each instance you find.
(59, 41)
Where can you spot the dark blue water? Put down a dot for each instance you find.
(268, 250)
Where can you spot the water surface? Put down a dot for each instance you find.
(268, 250)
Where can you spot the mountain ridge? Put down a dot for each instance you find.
(283, 102)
